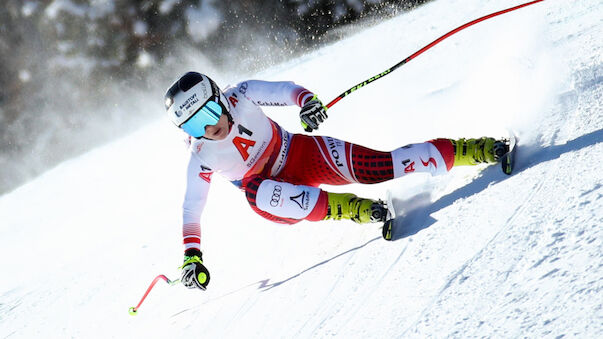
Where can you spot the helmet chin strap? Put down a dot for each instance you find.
(230, 120)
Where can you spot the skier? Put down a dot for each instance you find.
(280, 172)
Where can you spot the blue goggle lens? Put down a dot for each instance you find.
(209, 114)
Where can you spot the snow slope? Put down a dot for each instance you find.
(478, 254)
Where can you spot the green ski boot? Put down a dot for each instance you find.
(477, 151)
(359, 210)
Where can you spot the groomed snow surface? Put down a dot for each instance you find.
(478, 254)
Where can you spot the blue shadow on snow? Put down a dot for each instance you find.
(417, 210)
(417, 218)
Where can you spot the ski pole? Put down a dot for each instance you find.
(134, 310)
(419, 52)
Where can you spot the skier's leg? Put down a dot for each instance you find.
(286, 203)
(435, 157)
(293, 194)
(283, 202)
(325, 160)
(440, 155)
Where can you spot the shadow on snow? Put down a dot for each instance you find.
(415, 213)
(417, 210)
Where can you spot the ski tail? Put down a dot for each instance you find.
(508, 159)
(388, 225)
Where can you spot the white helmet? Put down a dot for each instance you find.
(193, 102)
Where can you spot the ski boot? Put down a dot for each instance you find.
(359, 210)
(476, 151)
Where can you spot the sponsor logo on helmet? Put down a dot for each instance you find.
(204, 89)
(193, 99)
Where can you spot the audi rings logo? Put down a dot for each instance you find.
(276, 195)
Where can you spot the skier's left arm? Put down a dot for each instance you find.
(194, 273)
(286, 93)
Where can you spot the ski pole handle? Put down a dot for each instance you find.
(134, 310)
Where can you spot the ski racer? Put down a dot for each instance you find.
(281, 172)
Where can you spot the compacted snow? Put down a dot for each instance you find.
(478, 254)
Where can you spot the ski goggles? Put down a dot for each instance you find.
(207, 115)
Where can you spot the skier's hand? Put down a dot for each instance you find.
(194, 274)
(312, 114)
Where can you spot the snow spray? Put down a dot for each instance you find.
(419, 52)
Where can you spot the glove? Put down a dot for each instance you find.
(312, 114)
(194, 274)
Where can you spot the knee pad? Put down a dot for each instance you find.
(286, 200)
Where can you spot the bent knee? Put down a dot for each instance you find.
(282, 199)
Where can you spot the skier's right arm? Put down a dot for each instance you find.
(194, 273)
(284, 93)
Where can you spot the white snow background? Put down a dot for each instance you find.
(478, 254)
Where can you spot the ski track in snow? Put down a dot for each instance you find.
(478, 253)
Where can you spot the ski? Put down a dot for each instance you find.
(388, 225)
(508, 159)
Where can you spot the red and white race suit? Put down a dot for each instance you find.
(280, 172)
